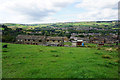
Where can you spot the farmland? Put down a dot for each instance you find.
(35, 61)
(81, 24)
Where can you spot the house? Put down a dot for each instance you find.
(72, 38)
(40, 40)
(85, 39)
(74, 43)
(103, 39)
(30, 39)
(77, 43)
(65, 39)
(54, 41)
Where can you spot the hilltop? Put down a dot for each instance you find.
(64, 24)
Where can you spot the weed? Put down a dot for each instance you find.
(53, 51)
(55, 55)
(107, 56)
(98, 53)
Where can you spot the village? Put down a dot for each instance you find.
(76, 35)
(60, 34)
(59, 41)
(60, 49)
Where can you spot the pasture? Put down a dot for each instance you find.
(35, 61)
(81, 24)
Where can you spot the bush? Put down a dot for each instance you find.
(99, 48)
(98, 53)
(118, 61)
(53, 51)
(107, 56)
(56, 55)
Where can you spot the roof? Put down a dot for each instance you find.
(39, 37)
(54, 38)
(80, 40)
(74, 41)
(30, 37)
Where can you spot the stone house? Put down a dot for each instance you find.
(102, 39)
(77, 43)
(54, 41)
(39, 40)
(30, 39)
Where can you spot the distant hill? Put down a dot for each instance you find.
(64, 24)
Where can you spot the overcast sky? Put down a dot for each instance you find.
(49, 11)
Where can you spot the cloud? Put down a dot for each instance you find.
(97, 4)
(98, 9)
(42, 11)
(22, 11)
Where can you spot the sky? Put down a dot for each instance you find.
(52, 11)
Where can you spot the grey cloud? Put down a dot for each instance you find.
(114, 6)
(61, 4)
(34, 14)
(37, 14)
(30, 10)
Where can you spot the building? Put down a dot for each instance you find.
(40, 40)
(54, 41)
(103, 39)
(30, 39)
(74, 43)
(77, 43)
(65, 39)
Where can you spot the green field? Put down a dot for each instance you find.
(81, 24)
(35, 61)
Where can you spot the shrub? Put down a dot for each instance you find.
(98, 48)
(53, 61)
(4, 51)
(53, 51)
(109, 49)
(106, 56)
(56, 55)
(118, 61)
(113, 63)
(98, 53)
(40, 50)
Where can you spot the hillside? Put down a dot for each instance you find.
(65, 24)
(35, 61)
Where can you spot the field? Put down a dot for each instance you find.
(81, 24)
(35, 61)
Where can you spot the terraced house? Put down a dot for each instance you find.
(40, 40)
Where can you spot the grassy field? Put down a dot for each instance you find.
(81, 24)
(35, 61)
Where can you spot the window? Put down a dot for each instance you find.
(33, 40)
(47, 40)
(53, 40)
(33, 43)
(25, 40)
(40, 40)
(28, 39)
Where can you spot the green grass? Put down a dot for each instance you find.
(35, 61)
(81, 24)
(68, 43)
(1, 28)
